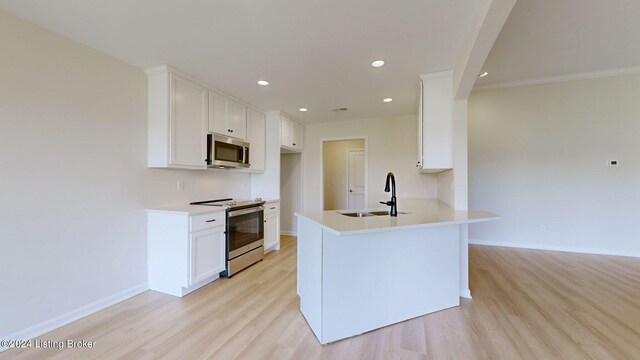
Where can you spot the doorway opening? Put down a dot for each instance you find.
(344, 174)
(290, 192)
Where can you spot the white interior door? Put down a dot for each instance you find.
(356, 179)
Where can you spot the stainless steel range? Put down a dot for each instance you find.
(244, 233)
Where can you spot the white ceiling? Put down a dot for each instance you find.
(315, 54)
(544, 38)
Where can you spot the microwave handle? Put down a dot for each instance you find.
(209, 159)
(245, 155)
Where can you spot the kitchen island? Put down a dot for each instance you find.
(357, 274)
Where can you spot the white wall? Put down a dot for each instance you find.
(74, 181)
(392, 146)
(290, 192)
(537, 158)
(335, 159)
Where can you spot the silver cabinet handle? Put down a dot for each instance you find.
(212, 220)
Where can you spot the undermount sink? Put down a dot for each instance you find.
(356, 214)
(367, 213)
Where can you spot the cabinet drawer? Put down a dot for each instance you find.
(199, 222)
(271, 208)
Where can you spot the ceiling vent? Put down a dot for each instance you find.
(339, 109)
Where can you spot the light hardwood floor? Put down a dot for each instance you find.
(527, 305)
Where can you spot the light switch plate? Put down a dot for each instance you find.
(180, 185)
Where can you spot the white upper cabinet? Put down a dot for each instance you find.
(435, 123)
(285, 132)
(291, 135)
(178, 110)
(218, 114)
(256, 135)
(286, 126)
(227, 117)
(296, 136)
(181, 112)
(237, 120)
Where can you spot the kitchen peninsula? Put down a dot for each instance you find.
(358, 271)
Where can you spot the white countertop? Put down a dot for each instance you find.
(194, 209)
(419, 213)
(187, 209)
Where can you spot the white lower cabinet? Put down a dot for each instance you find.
(185, 252)
(207, 254)
(271, 226)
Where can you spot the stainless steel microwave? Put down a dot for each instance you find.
(225, 152)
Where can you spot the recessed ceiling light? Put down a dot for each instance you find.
(387, 100)
(263, 82)
(483, 74)
(303, 109)
(377, 63)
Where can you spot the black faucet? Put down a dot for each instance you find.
(393, 203)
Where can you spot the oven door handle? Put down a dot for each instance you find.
(245, 211)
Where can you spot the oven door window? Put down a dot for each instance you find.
(228, 152)
(244, 230)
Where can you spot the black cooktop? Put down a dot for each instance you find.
(231, 204)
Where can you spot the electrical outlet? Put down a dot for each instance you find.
(613, 163)
(180, 185)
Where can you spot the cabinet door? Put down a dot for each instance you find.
(256, 132)
(420, 134)
(271, 236)
(285, 132)
(218, 114)
(188, 118)
(437, 122)
(237, 120)
(296, 135)
(207, 254)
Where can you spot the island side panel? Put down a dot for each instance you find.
(310, 273)
(465, 292)
(377, 279)
(167, 248)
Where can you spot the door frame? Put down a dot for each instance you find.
(366, 165)
(348, 178)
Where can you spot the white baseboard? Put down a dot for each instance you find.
(465, 293)
(288, 233)
(64, 319)
(579, 250)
